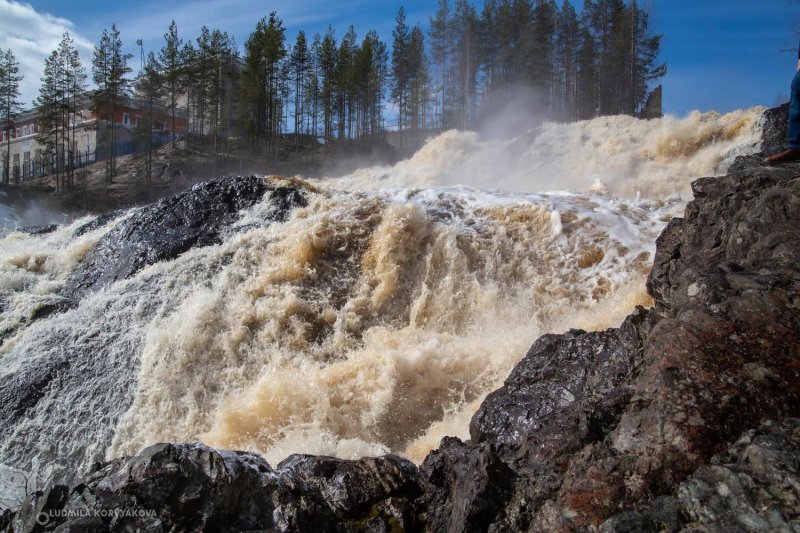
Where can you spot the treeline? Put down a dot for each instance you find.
(275, 98)
(572, 66)
(63, 98)
(279, 97)
(323, 92)
(318, 90)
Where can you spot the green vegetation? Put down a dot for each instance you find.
(274, 100)
(10, 105)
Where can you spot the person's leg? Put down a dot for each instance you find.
(793, 140)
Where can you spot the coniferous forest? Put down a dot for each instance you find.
(274, 97)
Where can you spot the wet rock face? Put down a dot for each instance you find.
(194, 488)
(40, 230)
(774, 128)
(753, 486)
(592, 424)
(170, 227)
(561, 372)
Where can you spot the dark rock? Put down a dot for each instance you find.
(560, 371)
(774, 128)
(752, 486)
(591, 424)
(194, 488)
(172, 226)
(98, 222)
(466, 486)
(39, 230)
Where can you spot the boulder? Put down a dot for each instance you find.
(752, 486)
(192, 487)
(774, 127)
(590, 425)
(172, 226)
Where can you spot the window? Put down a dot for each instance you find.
(126, 119)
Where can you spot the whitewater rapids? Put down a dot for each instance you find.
(375, 319)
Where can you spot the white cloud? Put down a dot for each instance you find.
(32, 35)
(149, 19)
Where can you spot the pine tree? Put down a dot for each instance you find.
(520, 28)
(188, 60)
(10, 104)
(440, 49)
(58, 109)
(326, 61)
(380, 76)
(150, 85)
(274, 54)
(370, 75)
(489, 46)
(542, 52)
(253, 87)
(230, 97)
(72, 75)
(221, 58)
(605, 18)
(644, 65)
(465, 24)
(48, 113)
(109, 72)
(345, 58)
(299, 64)
(587, 76)
(567, 47)
(312, 91)
(264, 83)
(170, 63)
(399, 89)
(201, 79)
(418, 80)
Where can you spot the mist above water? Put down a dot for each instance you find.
(621, 155)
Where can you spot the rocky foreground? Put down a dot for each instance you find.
(686, 417)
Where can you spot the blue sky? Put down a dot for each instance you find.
(722, 54)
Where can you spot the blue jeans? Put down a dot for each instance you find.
(793, 140)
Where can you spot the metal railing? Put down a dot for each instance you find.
(43, 166)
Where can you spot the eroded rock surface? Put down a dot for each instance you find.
(195, 488)
(774, 126)
(752, 486)
(170, 227)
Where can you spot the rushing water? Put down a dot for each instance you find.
(376, 319)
